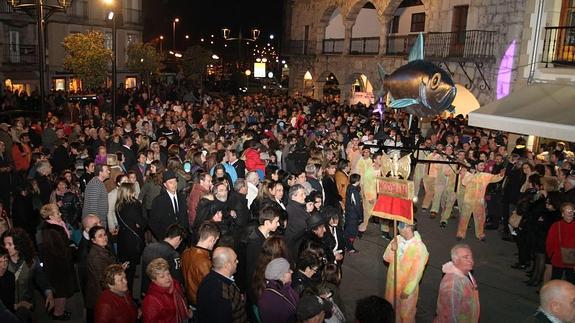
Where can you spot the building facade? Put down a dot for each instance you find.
(19, 68)
(334, 46)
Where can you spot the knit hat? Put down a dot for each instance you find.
(276, 269)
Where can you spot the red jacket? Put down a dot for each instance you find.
(113, 308)
(22, 157)
(162, 306)
(193, 199)
(253, 160)
(567, 241)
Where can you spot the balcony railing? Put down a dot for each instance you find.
(364, 46)
(133, 16)
(19, 55)
(399, 44)
(5, 7)
(475, 45)
(299, 47)
(332, 46)
(559, 46)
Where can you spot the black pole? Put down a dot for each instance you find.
(114, 86)
(41, 56)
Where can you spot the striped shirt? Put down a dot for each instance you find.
(96, 200)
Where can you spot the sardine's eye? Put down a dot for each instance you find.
(435, 81)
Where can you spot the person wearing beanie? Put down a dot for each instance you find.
(168, 208)
(278, 301)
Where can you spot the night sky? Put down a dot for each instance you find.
(202, 18)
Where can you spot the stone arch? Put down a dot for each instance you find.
(323, 79)
(392, 5)
(358, 5)
(366, 84)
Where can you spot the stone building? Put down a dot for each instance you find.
(19, 57)
(335, 45)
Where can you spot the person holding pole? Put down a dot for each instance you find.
(407, 256)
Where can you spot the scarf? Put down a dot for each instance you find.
(62, 224)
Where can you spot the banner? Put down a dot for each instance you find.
(366, 98)
(394, 200)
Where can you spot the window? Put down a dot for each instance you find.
(417, 22)
(59, 84)
(130, 39)
(108, 40)
(14, 46)
(394, 26)
(130, 82)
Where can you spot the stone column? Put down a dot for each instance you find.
(345, 92)
(383, 32)
(347, 36)
(318, 89)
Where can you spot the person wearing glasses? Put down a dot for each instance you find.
(560, 245)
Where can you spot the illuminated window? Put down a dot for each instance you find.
(131, 82)
(75, 85)
(108, 40)
(59, 84)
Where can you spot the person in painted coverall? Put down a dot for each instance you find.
(429, 181)
(412, 256)
(441, 182)
(420, 169)
(458, 299)
(474, 199)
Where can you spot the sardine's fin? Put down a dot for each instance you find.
(416, 52)
(381, 71)
(423, 95)
(402, 103)
(451, 109)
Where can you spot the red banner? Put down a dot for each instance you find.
(394, 208)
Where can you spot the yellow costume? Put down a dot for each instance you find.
(412, 257)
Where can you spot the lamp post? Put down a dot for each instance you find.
(41, 10)
(248, 73)
(111, 17)
(176, 20)
(161, 44)
(240, 39)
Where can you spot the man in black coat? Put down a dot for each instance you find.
(269, 220)
(168, 208)
(297, 216)
(238, 164)
(128, 152)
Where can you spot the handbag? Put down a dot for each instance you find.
(567, 254)
(515, 220)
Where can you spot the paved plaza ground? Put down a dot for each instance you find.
(503, 295)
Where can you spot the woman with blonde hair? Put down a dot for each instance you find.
(132, 225)
(144, 143)
(58, 257)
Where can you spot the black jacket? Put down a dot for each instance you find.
(295, 230)
(220, 300)
(132, 225)
(129, 156)
(162, 214)
(332, 197)
(254, 247)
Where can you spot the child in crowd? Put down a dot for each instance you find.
(353, 211)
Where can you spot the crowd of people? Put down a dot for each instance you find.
(244, 209)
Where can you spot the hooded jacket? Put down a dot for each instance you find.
(458, 299)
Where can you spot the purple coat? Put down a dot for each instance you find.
(275, 308)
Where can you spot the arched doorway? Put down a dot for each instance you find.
(361, 90)
(308, 88)
(331, 90)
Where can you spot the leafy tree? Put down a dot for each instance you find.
(145, 60)
(194, 62)
(87, 57)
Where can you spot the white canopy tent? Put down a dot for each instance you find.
(545, 110)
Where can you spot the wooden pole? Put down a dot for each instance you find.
(395, 260)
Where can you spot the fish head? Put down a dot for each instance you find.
(438, 90)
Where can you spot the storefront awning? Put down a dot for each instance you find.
(544, 110)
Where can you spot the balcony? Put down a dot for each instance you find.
(332, 46)
(299, 48)
(19, 55)
(133, 16)
(364, 46)
(469, 45)
(559, 46)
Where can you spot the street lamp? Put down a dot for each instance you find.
(111, 17)
(41, 11)
(161, 44)
(176, 20)
(240, 39)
